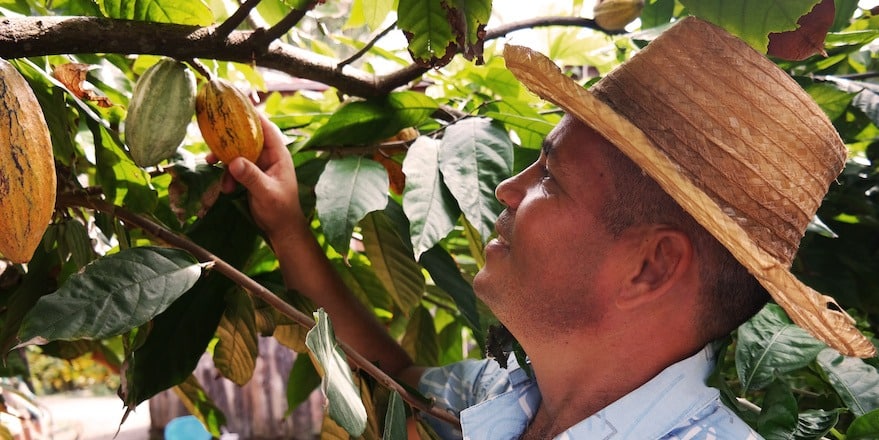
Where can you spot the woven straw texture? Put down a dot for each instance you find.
(733, 139)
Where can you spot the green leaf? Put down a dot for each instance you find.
(778, 417)
(468, 19)
(371, 13)
(815, 423)
(191, 322)
(337, 383)
(856, 381)
(447, 275)
(392, 261)
(238, 346)
(348, 189)
(475, 157)
(199, 404)
(427, 27)
(830, 98)
(112, 295)
(370, 121)
(395, 419)
(303, 379)
(194, 188)
(427, 202)
(78, 242)
(740, 18)
(657, 13)
(866, 96)
(195, 12)
(769, 344)
(865, 426)
(125, 183)
(420, 340)
(38, 281)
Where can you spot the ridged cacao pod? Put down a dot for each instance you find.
(160, 109)
(614, 15)
(228, 121)
(27, 168)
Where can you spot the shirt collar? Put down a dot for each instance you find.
(674, 396)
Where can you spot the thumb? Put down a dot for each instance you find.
(246, 173)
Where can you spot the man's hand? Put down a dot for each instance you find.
(271, 185)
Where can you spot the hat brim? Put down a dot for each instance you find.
(806, 307)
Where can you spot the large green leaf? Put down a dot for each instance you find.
(856, 381)
(778, 418)
(192, 320)
(112, 295)
(371, 13)
(864, 427)
(468, 19)
(301, 382)
(125, 183)
(428, 204)
(395, 419)
(815, 423)
(337, 383)
(420, 340)
(348, 189)
(38, 281)
(752, 20)
(770, 344)
(427, 27)
(447, 275)
(238, 345)
(392, 262)
(199, 404)
(365, 122)
(474, 158)
(866, 95)
(195, 12)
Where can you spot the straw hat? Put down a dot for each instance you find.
(732, 138)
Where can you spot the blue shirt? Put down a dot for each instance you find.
(497, 404)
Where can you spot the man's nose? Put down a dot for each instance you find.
(509, 192)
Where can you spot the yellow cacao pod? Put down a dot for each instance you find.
(27, 168)
(228, 121)
(614, 15)
(159, 112)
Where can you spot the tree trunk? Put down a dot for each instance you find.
(256, 410)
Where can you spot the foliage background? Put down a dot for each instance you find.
(388, 170)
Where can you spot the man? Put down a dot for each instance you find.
(662, 209)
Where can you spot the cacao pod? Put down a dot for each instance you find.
(614, 15)
(159, 112)
(228, 121)
(27, 168)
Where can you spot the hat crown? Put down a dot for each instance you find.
(738, 127)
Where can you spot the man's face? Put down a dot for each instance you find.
(548, 264)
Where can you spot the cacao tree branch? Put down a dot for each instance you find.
(159, 232)
(231, 23)
(36, 36)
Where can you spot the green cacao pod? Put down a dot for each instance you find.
(228, 121)
(27, 168)
(614, 15)
(160, 109)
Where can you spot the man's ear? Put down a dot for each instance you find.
(664, 259)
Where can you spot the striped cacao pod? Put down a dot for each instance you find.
(160, 109)
(614, 15)
(27, 168)
(228, 121)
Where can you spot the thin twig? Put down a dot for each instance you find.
(68, 200)
(200, 68)
(226, 28)
(288, 22)
(366, 48)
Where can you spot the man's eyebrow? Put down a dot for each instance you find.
(547, 147)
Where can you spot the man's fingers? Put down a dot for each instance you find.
(245, 172)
